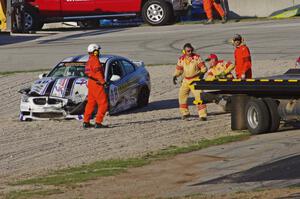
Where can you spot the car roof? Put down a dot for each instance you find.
(84, 58)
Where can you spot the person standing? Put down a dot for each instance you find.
(218, 68)
(191, 67)
(242, 55)
(96, 88)
(208, 8)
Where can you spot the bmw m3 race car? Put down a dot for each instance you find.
(62, 93)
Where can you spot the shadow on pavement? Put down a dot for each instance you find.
(83, 34)
(6, 39)
(284, 169)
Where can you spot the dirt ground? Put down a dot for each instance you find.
(32, 148)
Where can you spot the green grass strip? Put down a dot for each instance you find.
(30, 193)
(84, 173)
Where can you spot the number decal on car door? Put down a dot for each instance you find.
(113, 94)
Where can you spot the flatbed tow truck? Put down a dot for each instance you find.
(260, 104)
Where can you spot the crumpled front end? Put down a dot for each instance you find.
(44, 108)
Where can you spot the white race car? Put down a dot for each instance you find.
(62, 93)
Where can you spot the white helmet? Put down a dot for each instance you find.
(93, 47)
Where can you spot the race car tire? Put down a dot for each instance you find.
(257, 116)
(157, 12)
(143, 97)
(273, 114)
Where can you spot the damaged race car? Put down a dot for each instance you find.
(62, 93)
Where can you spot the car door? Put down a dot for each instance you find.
(48, 8)
(118, 6)
(114, 74)
(78, 7)
(132, 81)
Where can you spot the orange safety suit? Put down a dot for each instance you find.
(96, 92)
(190, 68)
(222, 69)
(208, 4)
(243, 62)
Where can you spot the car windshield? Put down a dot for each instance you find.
(70, 69)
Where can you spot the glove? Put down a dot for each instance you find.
(106, 85)
(221, 75)
(174, 80)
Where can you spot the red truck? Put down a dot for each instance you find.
(88, 12)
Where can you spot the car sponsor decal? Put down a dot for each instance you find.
(59, 88)
(113, 94)
(79, 89)
(48, 89)
(69, 64)
(70, 86)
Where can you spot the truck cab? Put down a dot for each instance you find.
(154, 12)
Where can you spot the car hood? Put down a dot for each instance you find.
(65, 87)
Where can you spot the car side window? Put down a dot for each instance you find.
(115, 69)
(128, 67)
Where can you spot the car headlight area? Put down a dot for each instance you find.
(42, 108)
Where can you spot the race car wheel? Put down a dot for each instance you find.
(157, 12)
(273, 114)
(257, 116)
(143, 97)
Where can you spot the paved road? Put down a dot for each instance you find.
(264, 161)
(268, 40)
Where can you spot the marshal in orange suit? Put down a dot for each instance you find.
(96, 89)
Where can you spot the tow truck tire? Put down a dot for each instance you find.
(238, 104)
(257, 116)
(157, 12)
(273, 114)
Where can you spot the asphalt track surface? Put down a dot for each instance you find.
(268, 41)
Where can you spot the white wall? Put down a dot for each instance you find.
(258, 8)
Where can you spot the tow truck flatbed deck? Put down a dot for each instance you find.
(281, 87)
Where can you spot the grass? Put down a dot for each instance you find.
(84, 173)
(30, 193)
(23, 71)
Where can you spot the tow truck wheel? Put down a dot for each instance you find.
(157, 12)
(257, 116)
(273, 114)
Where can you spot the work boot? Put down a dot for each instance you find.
(209, 21)
(203, 118)
(185, 117)
(224, 20)
(99, 126)
(86, 125)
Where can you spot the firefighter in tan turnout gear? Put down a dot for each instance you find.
(218, 69)
(191, 67)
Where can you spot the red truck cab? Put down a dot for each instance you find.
(154, 12)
